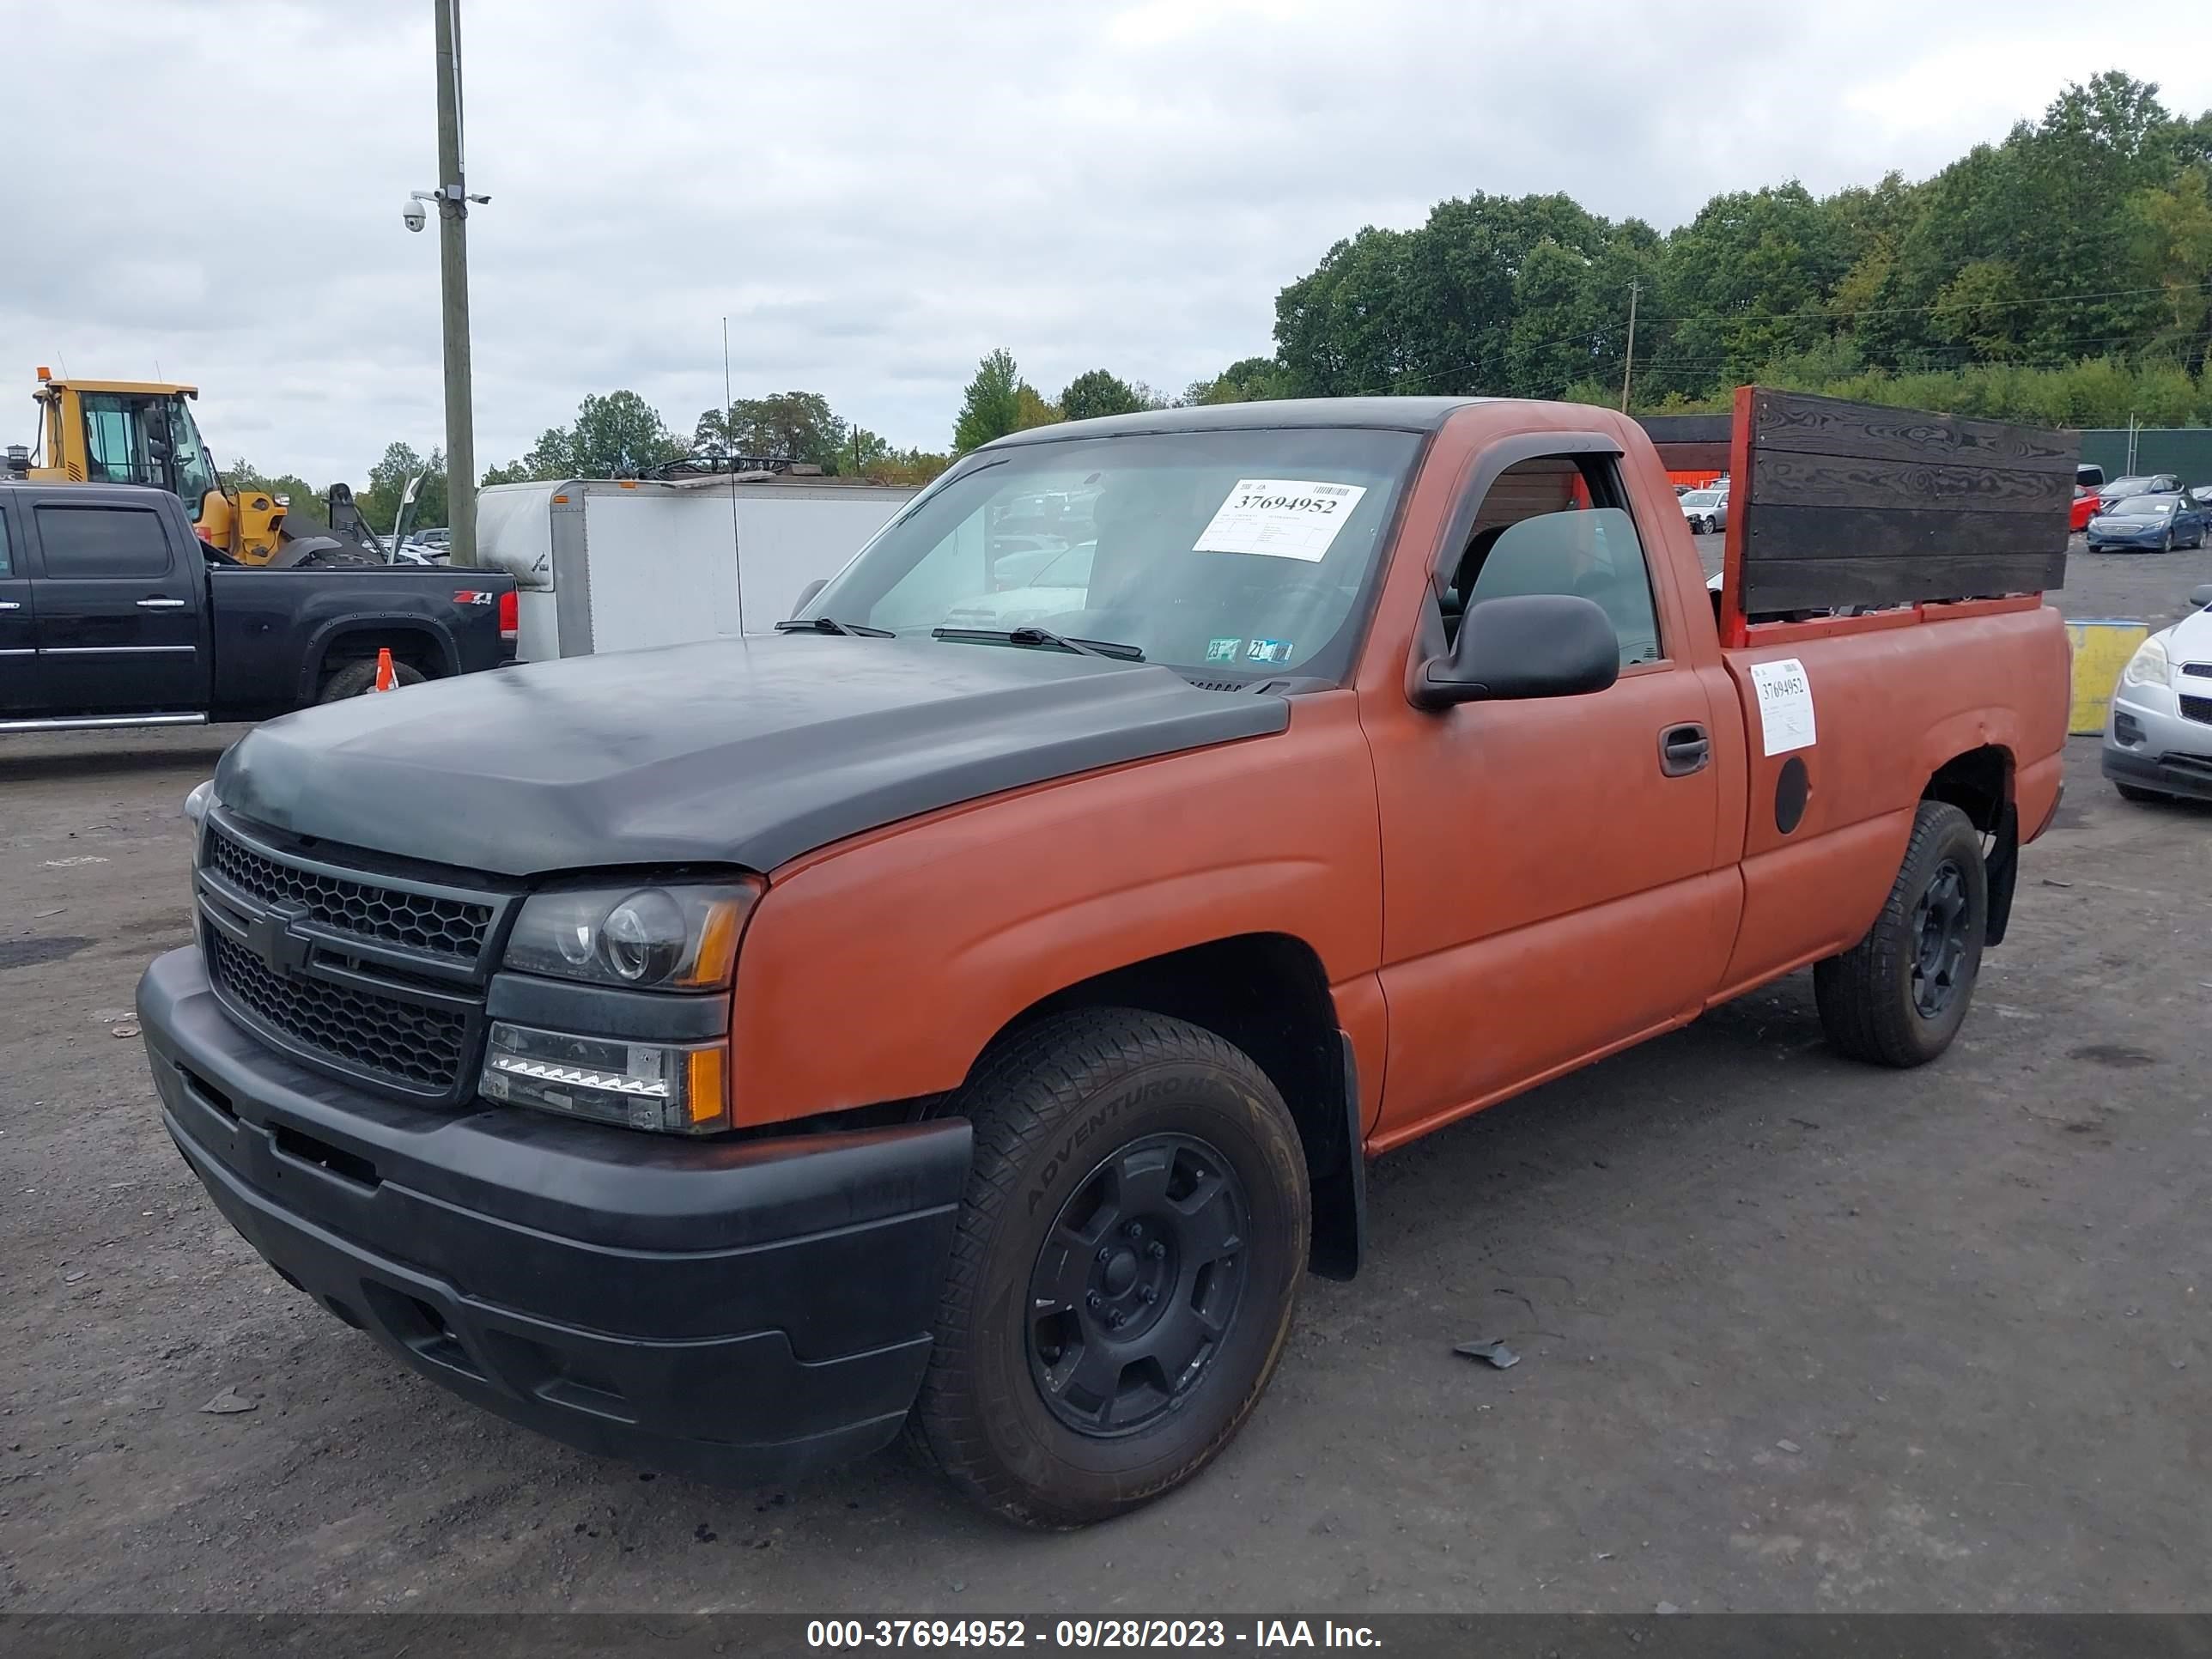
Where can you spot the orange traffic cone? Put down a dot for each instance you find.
(385, 679)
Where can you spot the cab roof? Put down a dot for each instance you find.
(134, 388)
(1392, 414)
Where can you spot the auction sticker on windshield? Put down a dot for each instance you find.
(1282, 518)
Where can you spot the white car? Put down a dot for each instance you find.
(1707, 510)
(2158, 732)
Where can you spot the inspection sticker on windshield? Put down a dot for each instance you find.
(1786, 704)
(1222, 650)
(1283, 518)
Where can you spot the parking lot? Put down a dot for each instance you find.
(1796, 1334)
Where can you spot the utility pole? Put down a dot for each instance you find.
(453, 285)
(1628, 362)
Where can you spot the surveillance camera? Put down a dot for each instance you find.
(412, 213)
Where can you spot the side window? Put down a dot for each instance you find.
(114, 441)
(1560, 524)
(103, 541)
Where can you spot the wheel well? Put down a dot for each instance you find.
(418, 648)
(1268, 993)
(1978, 783)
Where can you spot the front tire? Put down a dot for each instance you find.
(1898, 996)
(1124, 1271)
(2165, 544)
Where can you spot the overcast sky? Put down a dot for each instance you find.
(877, 195)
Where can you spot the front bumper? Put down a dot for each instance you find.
(2138, 541)
(2150, 743)
(732, 1310)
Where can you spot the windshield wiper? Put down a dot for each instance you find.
(831, 625)
(1045, 636)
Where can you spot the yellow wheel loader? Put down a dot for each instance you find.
(142, 432)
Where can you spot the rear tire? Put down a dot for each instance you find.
(1898, 996)
(1135, 1169)
(2136, 793)
(354, 678)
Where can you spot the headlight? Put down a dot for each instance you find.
(2148, 666)
(675, 1089)
(681, 936)
(201, 798)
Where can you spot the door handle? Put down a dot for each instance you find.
(11, 604)
(1684, 750)
(160, 604)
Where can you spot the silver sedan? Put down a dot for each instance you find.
(2158, 734)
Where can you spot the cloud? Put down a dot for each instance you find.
(875, 195)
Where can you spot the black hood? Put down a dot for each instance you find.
(746, 752)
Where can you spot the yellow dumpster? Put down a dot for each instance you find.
(2101, 649)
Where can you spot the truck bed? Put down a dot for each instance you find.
(1845, 512)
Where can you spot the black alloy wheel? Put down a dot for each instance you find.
(1898, 996)
(1939, 941)
(1124, 1269)
(1135, 1285)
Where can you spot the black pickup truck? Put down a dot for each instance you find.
(113, 613)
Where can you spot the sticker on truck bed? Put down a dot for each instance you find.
(1785, 705)
(1282, 518)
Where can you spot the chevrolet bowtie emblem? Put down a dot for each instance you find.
(270, 937)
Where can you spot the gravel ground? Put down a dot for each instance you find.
(1796, 1334)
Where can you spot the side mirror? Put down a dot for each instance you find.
(2200, 597)
(1535, 645)
(806, 594)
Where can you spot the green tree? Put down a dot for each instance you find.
(786, 426)
(387, 482)
(2173, 237)
(1979, 309)
(1247, 381)
(992, 406)
(1032, 409)
(1097, 393)
(863, 449)
(618, 435)
(906, 468)
(1431, 310)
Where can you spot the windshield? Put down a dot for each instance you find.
(1702, 498)
(147, 440)
(1227, 553)
(194, 471)
(2150, 506)
(2127, 487)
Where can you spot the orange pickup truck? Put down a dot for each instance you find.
(970, 1012)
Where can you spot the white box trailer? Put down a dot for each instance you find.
(619, 564)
